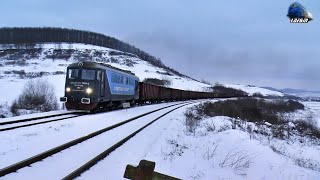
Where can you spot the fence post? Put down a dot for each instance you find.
(145, 171)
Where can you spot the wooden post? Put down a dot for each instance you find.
(145, 171)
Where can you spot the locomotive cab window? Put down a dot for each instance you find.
(99, 75)
(73, 73)
(88, 74)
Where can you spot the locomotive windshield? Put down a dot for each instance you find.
(86, 74)
(73, 73)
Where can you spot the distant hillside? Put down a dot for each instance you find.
(30, 37)
(272, 89)
(303, 94)
(296, 91)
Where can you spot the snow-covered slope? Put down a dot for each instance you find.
(253, 89)
(301, 93)
(49, 61)
(15, 71)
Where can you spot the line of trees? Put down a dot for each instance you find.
(29, 36)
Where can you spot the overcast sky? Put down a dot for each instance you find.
(230, 41)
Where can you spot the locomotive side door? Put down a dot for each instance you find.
(102, 84)
(101, 80)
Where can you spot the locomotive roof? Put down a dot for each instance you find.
(86, 64)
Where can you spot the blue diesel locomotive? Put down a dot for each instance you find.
(93, 86)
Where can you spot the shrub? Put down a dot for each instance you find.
(307, 128)
(167, 82)
(264, 113)
(279, 131)
(192, 120)
(239, 161)
(158, 82)
(257, 94)
(308, 163)
(223, 91)
(129, 62)
(164, 73)
(4, 110)
(36, 95)
(250, 109)
(205, 81)
(14, 108)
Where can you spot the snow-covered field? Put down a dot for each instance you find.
(313, 110)
(15, 72)
(208, 154)
(253, 89)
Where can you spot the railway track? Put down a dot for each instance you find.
(10, 125)
(91, 140)
(34, 118)
(16, 124)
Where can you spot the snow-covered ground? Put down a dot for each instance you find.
(223, 153)
(20, 143)
(16, 70)
(313, 110)
(253, 89)
(208, 154)
(61, 164)
(35, 115)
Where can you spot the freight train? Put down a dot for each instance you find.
(93, 86)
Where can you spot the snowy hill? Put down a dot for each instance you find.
(253, 89)
(301, 92)
(49, 61)
(16, 67)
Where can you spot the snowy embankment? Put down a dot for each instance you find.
(210, 154)
(216, 151)
(226, 153)
(19, 144)
(213, 151)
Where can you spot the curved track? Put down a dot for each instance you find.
(78, 142)
(105, 153)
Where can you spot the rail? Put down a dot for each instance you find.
(104, 154)
(37, 123)
(41, 156)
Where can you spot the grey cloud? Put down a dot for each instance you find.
(233, 41)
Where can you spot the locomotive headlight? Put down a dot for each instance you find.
(68, 89)
(89, 90)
